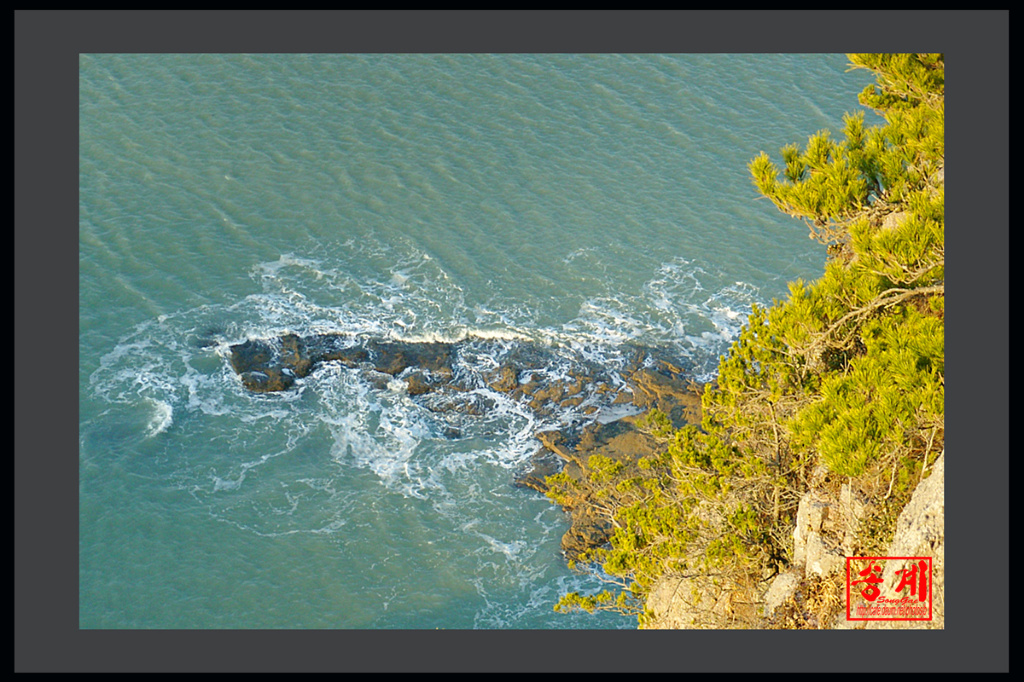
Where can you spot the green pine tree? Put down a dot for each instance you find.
(848, 372)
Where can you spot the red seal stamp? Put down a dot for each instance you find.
(889, 588)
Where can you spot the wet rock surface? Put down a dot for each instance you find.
(601, 407)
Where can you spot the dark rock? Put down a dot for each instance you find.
(251, 356)
(283, 359)
(295, 356)
(395, 357)
(668, 391)
(333, 348)
(529, 387)
(558, 443)
(266, 366)
(472, 404)
(550, 393)
(620, 439)
(377, 379)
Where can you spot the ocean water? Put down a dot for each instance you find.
(581, 202)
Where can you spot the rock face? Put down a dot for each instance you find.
(608, 404)
(825, 532)
(920, 532)
(694, 603)
(824, 535)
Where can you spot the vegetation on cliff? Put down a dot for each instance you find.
(843, 381)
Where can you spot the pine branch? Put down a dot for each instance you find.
(887, 298)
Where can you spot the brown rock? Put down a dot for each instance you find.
(295, 356)
(268, 381)
(558, 443)
(418, 384)
(504, 380)
(588, 530)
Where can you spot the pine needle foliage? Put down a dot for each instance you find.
(847, 373)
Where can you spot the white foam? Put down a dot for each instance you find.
(220, 484)
(510, 549)
(163, 417)
(616, 412)
(388, 433)
(460, 334)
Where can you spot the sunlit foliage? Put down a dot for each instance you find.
(846, 374)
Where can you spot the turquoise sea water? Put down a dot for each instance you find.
(580, 201)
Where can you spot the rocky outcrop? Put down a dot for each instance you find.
(683, 603)
(608, 405)
(807, 594)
